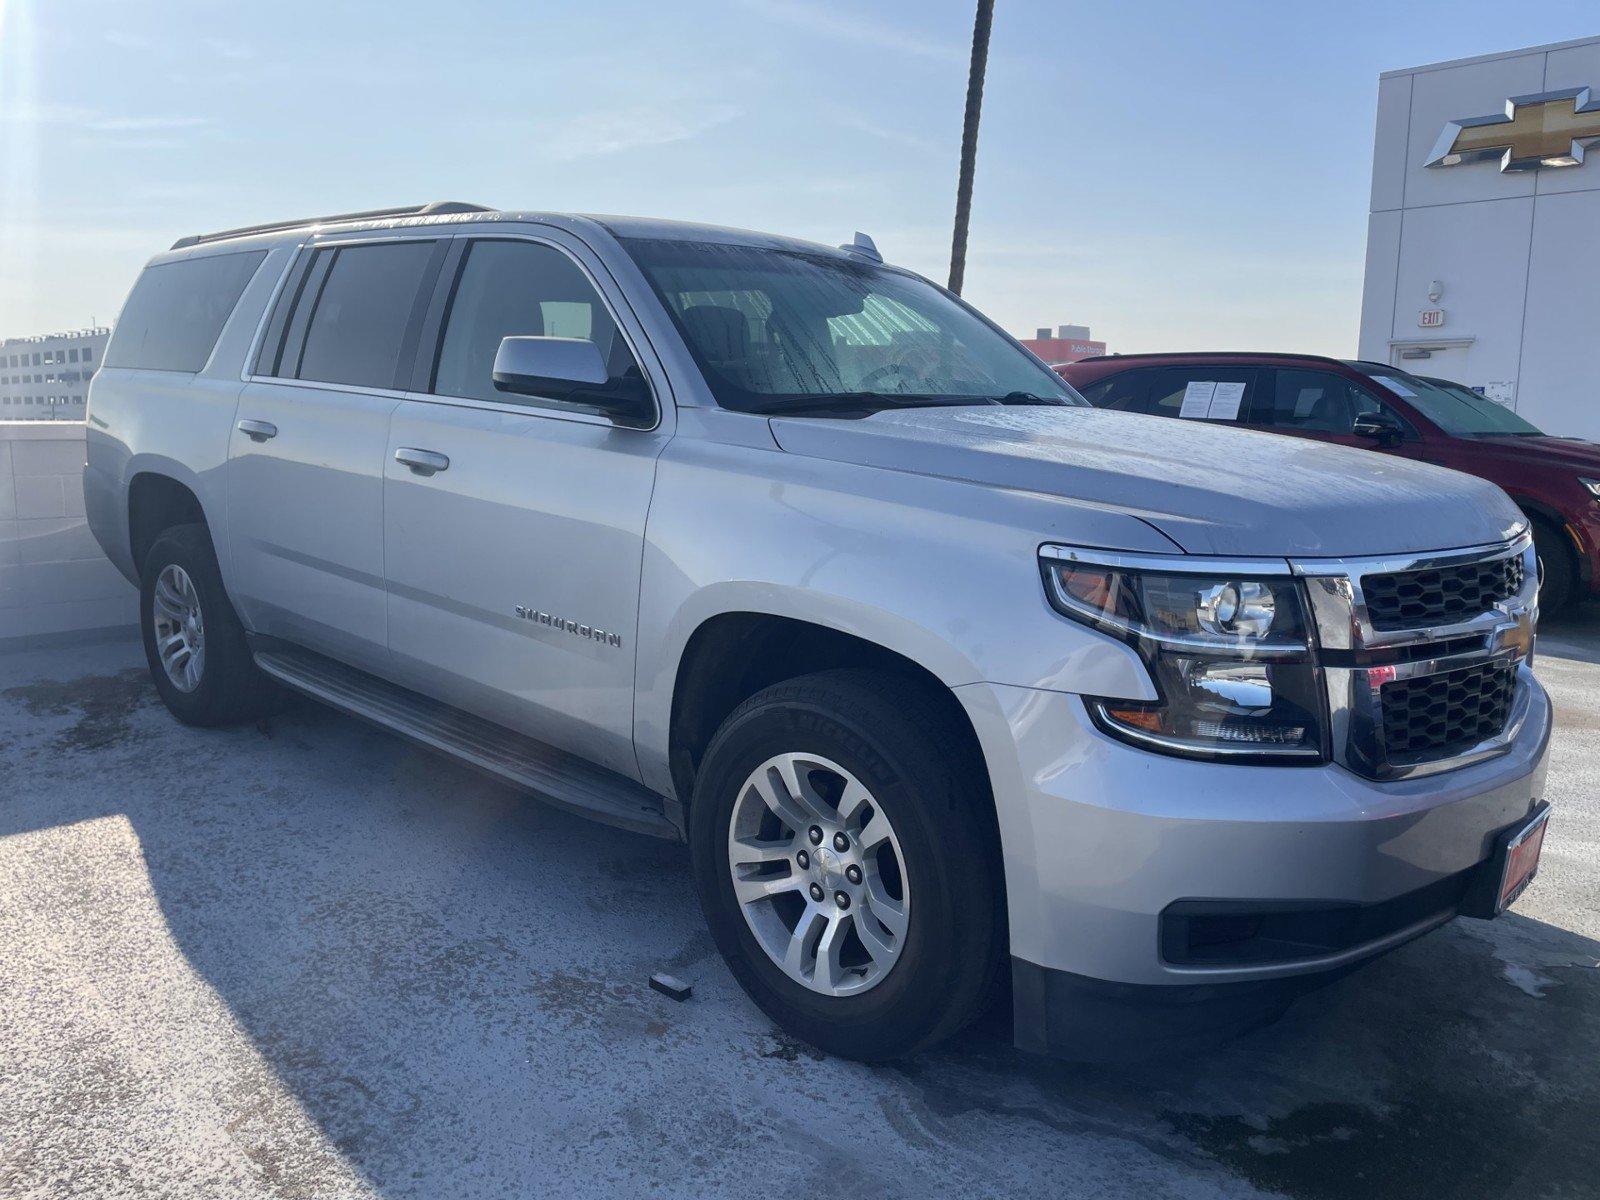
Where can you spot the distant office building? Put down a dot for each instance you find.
(1067, 343)
(47, 378)
(1483, 243)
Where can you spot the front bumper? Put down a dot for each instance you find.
(1100, 838)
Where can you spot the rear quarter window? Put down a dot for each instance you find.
(177, 310)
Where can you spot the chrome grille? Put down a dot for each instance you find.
(1425, 656)
(1440, 595)
(1436, 716)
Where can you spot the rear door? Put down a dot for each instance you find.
(1215, 393)
(514, 559)
(1201, 392)
(305, 468)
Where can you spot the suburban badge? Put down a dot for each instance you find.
(584, 631)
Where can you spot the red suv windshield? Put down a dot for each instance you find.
(1458, 411)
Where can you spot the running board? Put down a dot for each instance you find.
(559, 778)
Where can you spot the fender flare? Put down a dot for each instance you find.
(882, 627)
(212, 507)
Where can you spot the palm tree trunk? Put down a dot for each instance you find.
(969, 141)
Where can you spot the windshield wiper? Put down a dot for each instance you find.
(1030, 398)
(858, 401)
(865, 403)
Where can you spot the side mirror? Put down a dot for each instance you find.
(1383, 427)
(572, 371)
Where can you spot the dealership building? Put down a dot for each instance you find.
(46, 378)
(1483, 243)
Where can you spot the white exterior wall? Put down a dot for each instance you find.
(1517, 253)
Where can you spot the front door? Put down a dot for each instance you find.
(1305, 402)
(514, 527)
(305, 465)
(1310, 403)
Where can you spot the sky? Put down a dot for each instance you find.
(1175, 175)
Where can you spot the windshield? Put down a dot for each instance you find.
(784, 331)
(1456, 409)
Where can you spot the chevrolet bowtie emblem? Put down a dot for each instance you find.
(1550, 129)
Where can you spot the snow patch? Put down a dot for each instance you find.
(1527, 980)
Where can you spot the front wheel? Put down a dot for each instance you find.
(845, 856)
(1557, 571)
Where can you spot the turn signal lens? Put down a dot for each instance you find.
(1147, 719)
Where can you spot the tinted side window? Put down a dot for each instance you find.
(1314, 401)
(1125, 393)
(359, 322)
(1169, 387)
(519, 289)
(176, 312)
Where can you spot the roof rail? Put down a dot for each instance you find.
(1274, 355)
(437, 208)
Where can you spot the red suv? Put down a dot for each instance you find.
(1556, 481)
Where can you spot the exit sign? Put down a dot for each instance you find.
(1431, 318)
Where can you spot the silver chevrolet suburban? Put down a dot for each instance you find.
(951, 683)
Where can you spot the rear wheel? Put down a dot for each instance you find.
(1558, 572)
(193, 641)
(847, 863)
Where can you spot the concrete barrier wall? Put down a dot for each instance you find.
(53, 577)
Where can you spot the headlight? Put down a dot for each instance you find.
(1592, 484)
(1228, 647)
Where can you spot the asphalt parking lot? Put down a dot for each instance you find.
(307, 960)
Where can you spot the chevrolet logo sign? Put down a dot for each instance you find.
(1550, 129)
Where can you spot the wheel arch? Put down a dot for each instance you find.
(1538, 511)
(731, 655)
(158, 501)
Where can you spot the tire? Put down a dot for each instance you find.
(1557, 589)
(220, 684)
(906, 750)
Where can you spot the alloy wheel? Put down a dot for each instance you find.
(179, 627)
(818, 874)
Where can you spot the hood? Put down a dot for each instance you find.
(1210, 489)
(1545, 450)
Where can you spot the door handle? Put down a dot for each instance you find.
(422, 462)
(258, 431)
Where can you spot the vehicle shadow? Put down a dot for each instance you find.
(1461, 1066)
(449, 981)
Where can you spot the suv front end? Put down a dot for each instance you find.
(1335, 753)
